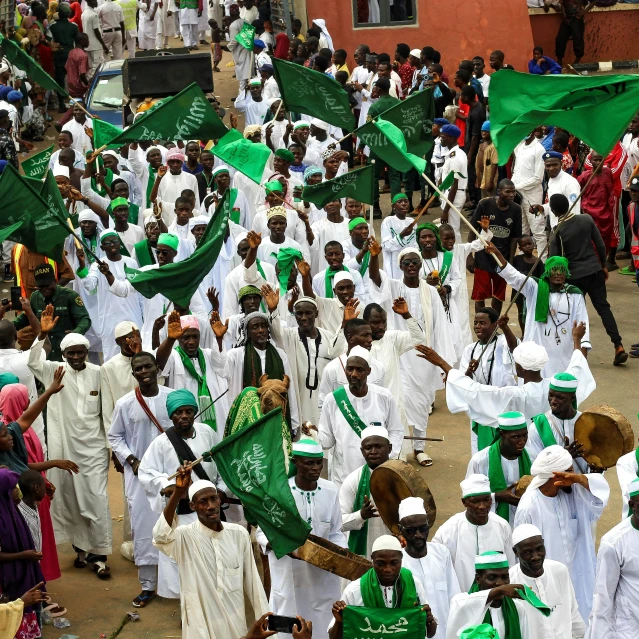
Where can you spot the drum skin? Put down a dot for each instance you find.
(328, 556)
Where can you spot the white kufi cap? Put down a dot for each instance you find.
(411, 506)
(475, 485)
(360, 351)
(386, 542)
(525, 531)
(375, 431)
(124, 328)
(199, 485)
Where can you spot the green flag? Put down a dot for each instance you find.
(595, 109)
(246, 36)
(185, 116)
(447, 182)
(26, 63)
(414, 117)
(103, 133)
(8, 231)
(358, 184)
(247, 157)
(251, 463)
(378, 623)
(179, 281)
(51, 226)
(313, 93)
(386, 141)
(36, 166)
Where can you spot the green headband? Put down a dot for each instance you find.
(633, 488)
(170, 240)
(431, 227)
(399, 196)
(356, 221)
(285, 154)
(119, 201)
(554, 263)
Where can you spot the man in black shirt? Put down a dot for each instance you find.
(579, 241)
(475, 118)
(505, 224)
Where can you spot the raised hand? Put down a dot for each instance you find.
(400, 306)
(162, 170)
(47, 321)
(271, 297)
(503, 321)
(26, 304)
(89, 131)
(159, 323)
(304, 268)
(183, 479)
(233, 120)
(216, 325)
(135, 343)
(56, 384)
(374, 246)
(214, 298)
(350, 310)
(175, 330)
(485, 222)
(254, 239)
(578, 330)
(104, 269)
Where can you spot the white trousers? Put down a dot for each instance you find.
(532, 224)
(189, 34)
(113, 41)
(96, 58)
(130, 37)
(148, 577)
(161, 41)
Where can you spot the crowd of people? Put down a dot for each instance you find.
(354, 330)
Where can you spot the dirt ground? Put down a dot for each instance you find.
(96, 608)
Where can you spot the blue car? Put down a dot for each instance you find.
(104, 97)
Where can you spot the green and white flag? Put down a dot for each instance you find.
(243, 155)
(383, 623)
(447, 182)
(251, 463)
(103, 133)
(358, 184)
(36, 166)
(313, 93)
(246, 36)
(185, 116)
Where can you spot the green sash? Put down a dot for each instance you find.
(358, 539)
(108, 180)
(328, 280)
(93, 245)
(149, 186)
(485, 435)
(363, 267)
(204, 395)
(545, 430)
(235, 215)
(497, 478)
(134, 212)
(404, 591)
(446, 263)
(143, 253)
(347, 410)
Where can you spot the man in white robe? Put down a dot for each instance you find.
(550, 581)
(627, 471)
(474, 531)
(297, 587)
(566, 519)
(240, 212)
(398, 233)
(492, 586)
(241, 57)
(614, 608)
(430, 563)
(218, 575)
(80, 511)
(277, 239)
(348, 410)
(139, 417)
(324, 280)
(333, 227)
(563, 304)
(161, 460)
(360, 518)
(172, 181)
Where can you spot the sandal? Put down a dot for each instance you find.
(621, 357)
(55, 611)
(80, 563)
(143, 599)
(104, 572)
(423, 459)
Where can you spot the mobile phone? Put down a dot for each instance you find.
(283, 624)
(16, 294)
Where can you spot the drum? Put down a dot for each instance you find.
(522, 484)
(393, 481)
(328, 556)
(606, 435)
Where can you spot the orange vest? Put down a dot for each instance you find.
(20, 280)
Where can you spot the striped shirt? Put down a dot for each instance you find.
(32, 518)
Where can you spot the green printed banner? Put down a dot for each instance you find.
(358, 184)
(36, 166)
(380, 623)
(313, 93)
(243, 155)
(103, 133)
(246, 36)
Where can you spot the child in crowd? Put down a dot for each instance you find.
(523, 263)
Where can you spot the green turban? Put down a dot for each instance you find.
(285, 154)
(8, 378)
(286, 259)
(554, 263)
(179, 398)
(248, 290)
(431, 227)
(170, 240)
(274, 185)
(356, 221)
(119, 201)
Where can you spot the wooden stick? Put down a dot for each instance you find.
(424, 209)
(425, 439)
(80, 105)
(95, 153)
(371, 211)
(77, 241)
(190, 465)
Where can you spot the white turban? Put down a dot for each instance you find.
(554, 459)
(341, 276)
(59, 170)
(88, 216)
(320, 124)
(411, 506)
(386, 542)
(150, 219)
(198, 220)
(375, 431)
(360, 351)
(73, 339)
(407, 251)
(475, 485)
(124, 328)
(525, 531)
(199, 485)
(530, 356)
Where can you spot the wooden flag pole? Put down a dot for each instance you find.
(95, 153)
(372, 206)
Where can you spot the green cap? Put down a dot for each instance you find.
(356, 221)
(179, 398)
(307, 448)
(285, 154)
(274, 185)
(119, 201)
(170, 240)
(489, 559)
(513, 420)
(399, 196)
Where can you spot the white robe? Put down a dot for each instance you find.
(241, 56)
(319, 285)
(217, 571)
(393, 244)
(112, 309)
(627, 471)
(131, 433)
(306, 364)
(254, 112)
(566, 523)
(484, 403)
(159, 462)
(80, 510)
(236, 280)
(82, 143)
(496, 367)
(469, 610)
(378, 406)
(555, 589)
(116, 380)
(268, 250)
(297, 587)
(465, 540)
(352, 520)
(437, 575)
(614, 608)
(326, 231)
(565, 185)
(230, 366)
(570, 308)
(171, 187)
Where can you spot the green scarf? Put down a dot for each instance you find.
(134, 212)
(512, 626)
(253, 365)
(358, 539)
(446, 264)
(328, 280)
(286, 259)
(496, 474)
(144, 253)
(204, 395)
(347, 410)
(93, 245)
(542, 307)
(149, 186)
(545, 430)
(363, 267)
(485, 435)
(235, 214)
(404, 588)
(108, 180)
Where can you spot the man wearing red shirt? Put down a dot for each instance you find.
(77, 67)
(404, 68)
